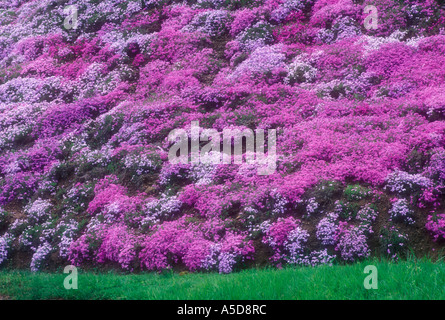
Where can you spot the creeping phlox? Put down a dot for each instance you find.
(339, 106)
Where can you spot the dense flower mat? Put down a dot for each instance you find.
(85, 112)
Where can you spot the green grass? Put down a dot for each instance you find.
(421, 279)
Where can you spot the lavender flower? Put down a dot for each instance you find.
(5, 244)
(400, 211)
(326, 229)
(39, 256)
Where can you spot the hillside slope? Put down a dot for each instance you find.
(90, 94)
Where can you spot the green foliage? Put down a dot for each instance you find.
(404, 280)
(347, 210)
(100, 133)
(356, 192)
(326, 191)
(393, 242)
(259, 31)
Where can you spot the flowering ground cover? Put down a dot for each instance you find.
(90, 91)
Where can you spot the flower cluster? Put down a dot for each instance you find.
(367, 215)
(288, 240)
(312, 206)
(212, 23)
(39, 256)
(404, 183)
(139, 163)
(86, 115)
(327, 229)
(351, 242)
(118, 245)
(400, 211)
(5, 244)
(68, 231)
(38, 210)
(162, 208)
(436, 225)
(198, 246)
